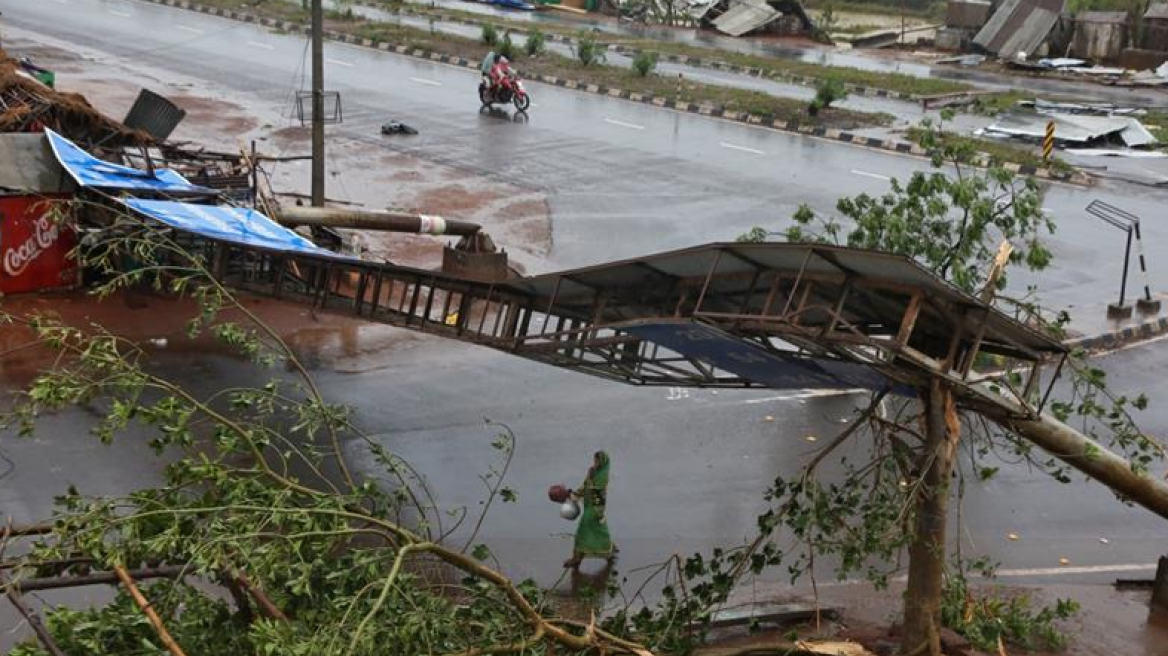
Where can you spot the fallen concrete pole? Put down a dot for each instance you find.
(374, 220)
(1075, 449)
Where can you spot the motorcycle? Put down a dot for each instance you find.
(510, 90)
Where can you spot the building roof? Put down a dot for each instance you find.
(1019, 26)
(736, 263)
(745, 17)
(1157, 11)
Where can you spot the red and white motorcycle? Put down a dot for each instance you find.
(509, 90)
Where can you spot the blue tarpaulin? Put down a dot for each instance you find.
(90, 171)
(234, 224)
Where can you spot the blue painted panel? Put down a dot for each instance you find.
(724, 351)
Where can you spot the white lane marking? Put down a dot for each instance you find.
(422, 80)
(121, 14)
(871, 175)
(257, 44)
(632, 126)
(1034, 571)
(1083, 569)
(338, 62)
(742, 148)
(187, 28)
(804, 394)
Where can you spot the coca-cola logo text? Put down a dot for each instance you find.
(18, 258)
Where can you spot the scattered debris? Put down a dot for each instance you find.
(1061, 62)
(742, 17)
(1116, 152)
(963, 60)
(397, 127)
(1100, 109)
(1073, 128)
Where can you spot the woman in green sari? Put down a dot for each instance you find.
(592, 539)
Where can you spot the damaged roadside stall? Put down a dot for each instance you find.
(36, 244)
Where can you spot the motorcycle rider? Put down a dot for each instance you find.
(485, 67)
(499, 72)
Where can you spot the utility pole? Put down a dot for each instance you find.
(317, 103)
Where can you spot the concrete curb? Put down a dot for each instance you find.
(1121, 336)
(830, 134)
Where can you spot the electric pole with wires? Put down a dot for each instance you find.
(317, 104)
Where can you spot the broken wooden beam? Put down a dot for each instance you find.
(148, 610)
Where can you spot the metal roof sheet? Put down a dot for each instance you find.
(735, 263)
(1019, 26)
(1158, 10)
(745, 17)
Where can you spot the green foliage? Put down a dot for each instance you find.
(952, 224)
(588, 50)
(644, 63)
(535, 44)
(754, 235)
(246, 491)
(828, 91)
(489, 35)
(507, 48)
(1008, 617)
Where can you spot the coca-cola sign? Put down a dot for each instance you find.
(17, 258)
(34, 249)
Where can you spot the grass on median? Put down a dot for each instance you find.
(1000, 151)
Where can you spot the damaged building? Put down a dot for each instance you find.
(752, 17)
(1021, 29)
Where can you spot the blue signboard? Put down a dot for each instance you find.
(724, 351)
(89, 171)
(235, 224)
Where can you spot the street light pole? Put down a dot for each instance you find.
(317, 104)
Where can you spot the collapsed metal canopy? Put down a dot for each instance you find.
(720, 315)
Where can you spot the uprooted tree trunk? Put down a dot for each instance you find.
(922, 601)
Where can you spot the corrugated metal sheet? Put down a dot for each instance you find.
(1019, 26)
(1157, 11)
(745, 17)
(154, 115)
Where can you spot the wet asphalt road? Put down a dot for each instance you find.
(623, 179)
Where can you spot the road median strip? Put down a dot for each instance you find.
(585, 86)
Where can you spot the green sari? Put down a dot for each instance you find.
(592, 538)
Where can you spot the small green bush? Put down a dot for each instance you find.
(507, 47)
(536, 43)
(644, 63)
(490, 35)
(588, 50)
(829, 90)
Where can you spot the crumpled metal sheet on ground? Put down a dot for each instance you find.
(1074, 128)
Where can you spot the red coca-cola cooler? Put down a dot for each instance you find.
(35, 247)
